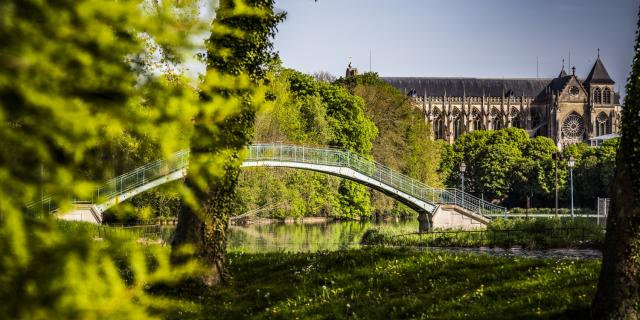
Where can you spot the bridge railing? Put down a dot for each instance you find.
(282, 152)
(372, 169)
(123, 183)
(44, 205)
(471, 202)
(142, 175)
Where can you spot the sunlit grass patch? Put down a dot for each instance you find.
(383, 283)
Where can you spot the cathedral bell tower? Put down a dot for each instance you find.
(603, 102)
(351, 71)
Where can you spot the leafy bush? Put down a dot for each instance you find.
(59, 271)
(372, 236)
(80, 86)
(550, 211)
(540, 224)
(527, 233)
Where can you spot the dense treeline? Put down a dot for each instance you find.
(347, 114)
(594, 171)
(507, 166)
(305, 111)
(404, 139)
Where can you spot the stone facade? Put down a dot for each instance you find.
(566, 108)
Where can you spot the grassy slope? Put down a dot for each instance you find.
(380, 283)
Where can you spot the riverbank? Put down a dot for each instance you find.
(386, 283)
(531, 234)
(259, 221)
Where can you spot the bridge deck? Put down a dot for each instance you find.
(333, 161)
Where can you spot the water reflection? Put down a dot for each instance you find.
(343, 235)
(300, 237)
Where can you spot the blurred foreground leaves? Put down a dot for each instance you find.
(82, 84)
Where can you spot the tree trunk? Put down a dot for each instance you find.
(247, 52)
(619, 283)
(206, 231)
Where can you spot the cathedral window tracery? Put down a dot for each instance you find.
(457, 123)
(603, 124)
(606, 96)
(477, 122)
(597, 95)
(515, 117)
(438, 124)
(496, 119)
(497, 125)
(572, 128)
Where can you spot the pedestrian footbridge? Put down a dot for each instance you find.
(445, 207)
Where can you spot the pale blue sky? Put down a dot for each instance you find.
(458, 38)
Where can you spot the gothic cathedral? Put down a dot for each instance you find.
(566, 108)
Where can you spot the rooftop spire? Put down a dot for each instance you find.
(351, 71)
(562, 72)
(598, 73)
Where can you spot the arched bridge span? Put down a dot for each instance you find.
(337, 162)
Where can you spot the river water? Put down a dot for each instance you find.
(303, 237)
(306, 237)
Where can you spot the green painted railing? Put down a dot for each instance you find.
(141, 176)
(372, 169)
(123, 183)
(288, 153)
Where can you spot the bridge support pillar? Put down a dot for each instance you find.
(424, 222)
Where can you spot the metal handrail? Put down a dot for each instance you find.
(372, 169)
(301, 154)
(123, 183)
(142, 175)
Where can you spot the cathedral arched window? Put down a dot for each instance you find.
(457, 123)
(536, 119)
(538, 124)
(438, 124)
(603, 124)
(497, 123)
(496, 119)
(606, 96)
(597, 95)
(515, 118)
(477, 121)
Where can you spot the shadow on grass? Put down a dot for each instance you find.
(382, 283)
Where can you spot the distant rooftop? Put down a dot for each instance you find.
(475, 87)
(599, 74)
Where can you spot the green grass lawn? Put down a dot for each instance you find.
(386, 283)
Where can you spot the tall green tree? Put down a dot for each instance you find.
(354, 132)
(404, 139)
(533, 176)
(594, 171)
(618, 293)
(504, 165)
(299, 114)
(238, 49)
(350, 129)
